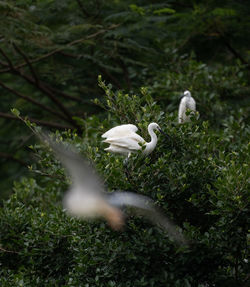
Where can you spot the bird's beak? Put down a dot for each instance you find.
(162, 132)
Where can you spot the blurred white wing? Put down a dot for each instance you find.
(143, 205)
(83, 175)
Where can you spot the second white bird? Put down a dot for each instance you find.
(187, 102)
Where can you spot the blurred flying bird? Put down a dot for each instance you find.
(187, 102)
(124, 140)
(87, 197)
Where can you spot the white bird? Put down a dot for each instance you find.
(187, 102)
(124, 140)
(87, 198)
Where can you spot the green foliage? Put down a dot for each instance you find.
(198, 176)
(50, 57)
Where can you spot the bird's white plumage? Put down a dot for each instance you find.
(120, 131)
(127, 143)
(124, 140)
(86, 197)
(187, 102)
(117, 149)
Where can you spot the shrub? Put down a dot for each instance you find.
(197, 175)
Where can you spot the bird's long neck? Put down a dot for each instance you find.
(151, 145)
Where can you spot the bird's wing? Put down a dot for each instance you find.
(182, 110)
(128, 143)
(191, 104)
(117, 149)
(120, 131)
(143, 205)
(80, 170)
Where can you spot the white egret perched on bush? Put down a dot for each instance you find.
(124, 140)
(87, 198)
(187, 102)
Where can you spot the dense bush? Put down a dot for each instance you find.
(198, 175)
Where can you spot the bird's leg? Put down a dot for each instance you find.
(125, 163)
(127, 170)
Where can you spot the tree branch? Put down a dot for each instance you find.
(3, 64)
(125, 72)
(75, 42)
(39, 122)
(98, 7)
(9, 251)
(11, 157)
(38, 84)
(6, 58)
(50, 94)
(42, 88)
(60, 93)
(226, 42)
(85, 12)
(111, 77)
(52, 111)
(27, 62)
(234, 52)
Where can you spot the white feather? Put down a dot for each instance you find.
(120, 131)
(187, 102)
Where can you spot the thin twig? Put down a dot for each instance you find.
(47, 174)
(104, 71)
(27, 62)
(52, 111)
(98, 8)
(11, 157)
(45, 90)
(9, 251)
(226, 42)
(125, 72)
(85, 12)
(234, 52)
(60, 93)
(4, 64)
(75, 42)
(111, 77)
(39, 122)
(6, 58)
